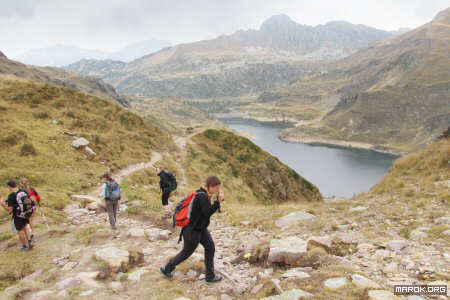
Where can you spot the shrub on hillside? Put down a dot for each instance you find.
(27, 149)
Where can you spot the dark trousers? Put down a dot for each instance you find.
(165, 196)
(191, 240)
(111, 208)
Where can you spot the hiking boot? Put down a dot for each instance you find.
(163, 271)
(24, 249)
(216, 278)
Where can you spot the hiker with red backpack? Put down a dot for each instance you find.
(112, 193)
(35, 198)
(20, 206)
(168, 184)
(193, 214)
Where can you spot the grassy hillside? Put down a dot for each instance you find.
(13, 70)
(34, 117)
(245, 167)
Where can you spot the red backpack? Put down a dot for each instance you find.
(183, 211)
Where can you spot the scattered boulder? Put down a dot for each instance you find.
(257, 288)
(442, 220)
(90, 151)
(335, 283)
(290, 295)
(136, 232)
(294, 218)
(69, 266)
(358, 208)
(80, 142)
(33, 275)
(156, 234)
(88, 279)
(136, 275)
(382, 295)
(67, 283)
(295, 273)
(417, 235)
(287, 250)
(364, 282)
(116, 286)
(397, 245)
(117, 259)
(136, 256)
(42, 295)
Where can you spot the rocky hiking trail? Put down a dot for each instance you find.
(94, 262)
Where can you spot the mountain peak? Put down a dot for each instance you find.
(277, 21)
(443, 16)
(2, 55)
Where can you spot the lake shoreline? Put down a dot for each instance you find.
(314, 141)
(342, 144)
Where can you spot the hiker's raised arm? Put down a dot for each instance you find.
(206, 207)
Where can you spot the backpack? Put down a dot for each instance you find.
(25, 205)
(113, 192)
(38, 197)
(183, 211)
(172, 181)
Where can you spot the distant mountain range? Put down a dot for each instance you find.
(395, 92)
(246, 62)
(62, 55)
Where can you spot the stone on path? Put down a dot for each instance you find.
(68, 282)
(117, 259)
(136, 275)
(382, 295)
(136, 232)
(80, 142)
(364, 282)
(116, 286)
(42, 295)
(417, 235)
(88, 279)
(290, 295)
(294, 218)
(295, 273)
(287, 250)
(335, 283)
(397, 245)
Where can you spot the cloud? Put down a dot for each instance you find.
(17, 8)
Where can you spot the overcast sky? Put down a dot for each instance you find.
(109, 25)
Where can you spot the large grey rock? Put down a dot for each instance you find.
(80, 142)
(295, 294)
(117, 259)
(335, 283)
(294, 218)
(287, 250)
(364, 282)
(382, 295)
(325, 242)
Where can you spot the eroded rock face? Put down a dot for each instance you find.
(287, 250)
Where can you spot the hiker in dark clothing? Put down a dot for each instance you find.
(197, 233)
(112, 194)
(20, 221)
(167, 183)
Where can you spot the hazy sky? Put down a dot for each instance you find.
(109, 25)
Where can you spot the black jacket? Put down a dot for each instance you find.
(202, 210)
(167, 180)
